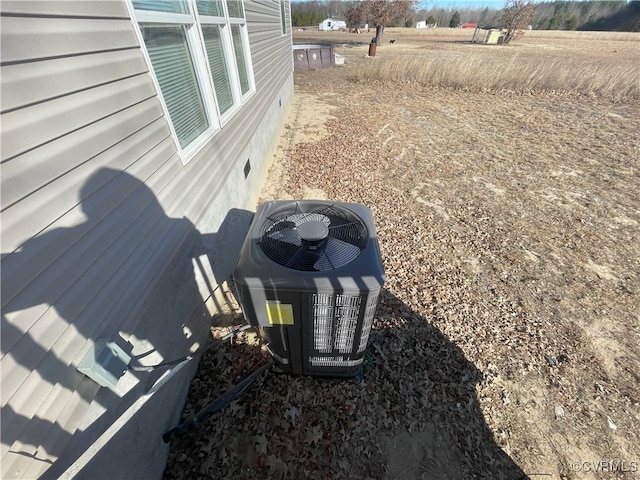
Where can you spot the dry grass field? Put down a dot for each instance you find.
(505, 184)
(605, 64)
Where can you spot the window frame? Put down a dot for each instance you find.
(229, 61)
(192, 23)
(283, 17)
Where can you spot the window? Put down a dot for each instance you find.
(200, 59)
(283, 16)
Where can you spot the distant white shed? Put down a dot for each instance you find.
(424, 24)
(332, 24)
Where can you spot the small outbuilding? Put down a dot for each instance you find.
(424, 24)
(332, 24)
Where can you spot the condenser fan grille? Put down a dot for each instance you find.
(313, 237)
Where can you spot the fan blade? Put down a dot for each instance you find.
(336, 254)
(286, 235)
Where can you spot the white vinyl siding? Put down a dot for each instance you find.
(98, 212)
(199, 54)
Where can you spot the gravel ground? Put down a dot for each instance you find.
(505, 343)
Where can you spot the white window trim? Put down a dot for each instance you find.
(284, 31)
(195, 41)
(247, 58)
(147, 16)
(229, 59)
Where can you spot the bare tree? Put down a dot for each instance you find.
(379, 13)
(355, 16)
(517, 17)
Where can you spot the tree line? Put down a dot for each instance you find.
(617, 15)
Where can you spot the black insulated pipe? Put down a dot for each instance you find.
(217, 405)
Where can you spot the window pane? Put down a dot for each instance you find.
(212, 8)
(240, 60)
(215, 54)
(235, 8)
(173, 66)
(168, 6)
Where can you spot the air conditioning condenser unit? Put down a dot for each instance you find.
(309, 276)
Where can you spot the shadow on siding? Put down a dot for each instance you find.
(152, 305)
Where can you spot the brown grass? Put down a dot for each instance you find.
(518, 73)
(607, 69)
(584, 36)
(530, 34)
(601, 64)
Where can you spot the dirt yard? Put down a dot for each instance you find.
(506, 341)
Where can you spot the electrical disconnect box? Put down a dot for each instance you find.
(105, 362)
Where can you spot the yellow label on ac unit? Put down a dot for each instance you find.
(279, 313)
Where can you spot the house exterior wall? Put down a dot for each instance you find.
(105, 233)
